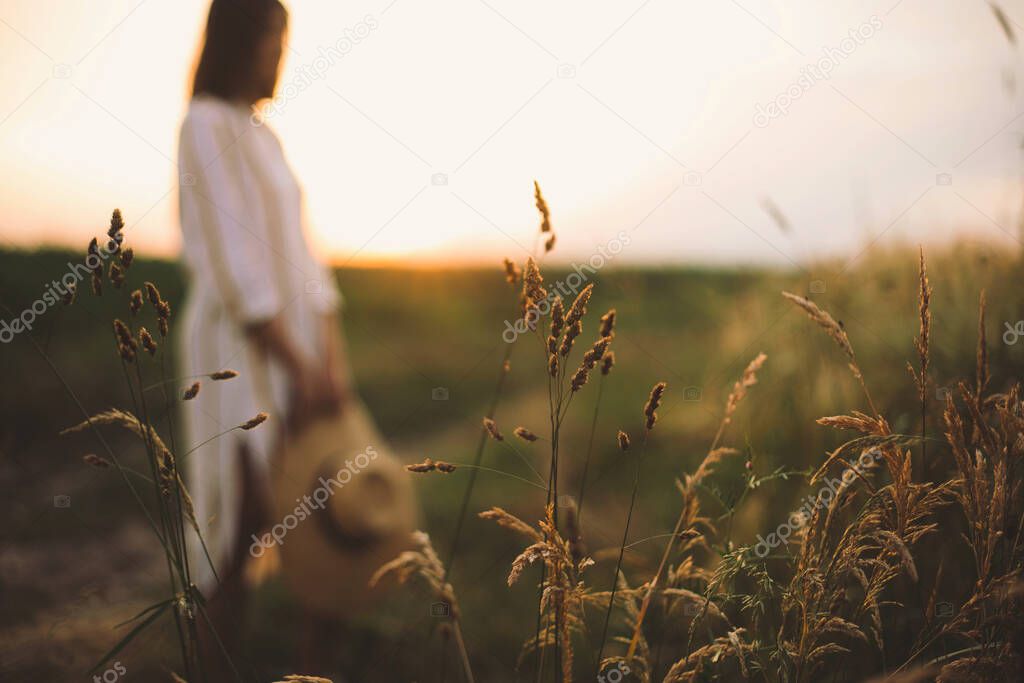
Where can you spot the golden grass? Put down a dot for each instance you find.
(819, 605)
(822, 604)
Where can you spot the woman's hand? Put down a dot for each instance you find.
(316, 391)
(318, 387)
(322, 387)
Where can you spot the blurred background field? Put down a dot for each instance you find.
(426, 347)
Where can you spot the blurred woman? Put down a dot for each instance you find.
(258, 301)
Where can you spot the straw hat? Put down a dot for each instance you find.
(343, 506)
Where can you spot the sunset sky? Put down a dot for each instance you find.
(420, 143)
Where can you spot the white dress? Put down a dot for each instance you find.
(248, 261)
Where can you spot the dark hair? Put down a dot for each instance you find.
(234, 29)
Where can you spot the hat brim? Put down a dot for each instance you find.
(326, 564)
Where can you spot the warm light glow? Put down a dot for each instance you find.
(420, 137)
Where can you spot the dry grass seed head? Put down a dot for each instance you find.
(653, 401)
(427, 465)
(116, 223)
(164, 458)
(525, 434)
(597, 351)
(92, 255)
(94, 460)
(135, 302)
(191, 392)
(825, 321)
(424, 564)
(492, 429)
(579, 305)
(692, 667)
(573, 330)
(557, 317)
(590, 358)
(542, 207)
(123, 334)
(711, 460)
(116, 275)
(512, 272)
(608, 362)
(147, 341)
(533, 282)
(739, 389)
(507, 520)
(557, 324)
(923, 340)
(607, 325)
(152, 293)
(254, 422)
(857, 421)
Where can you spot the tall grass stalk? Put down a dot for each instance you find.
(173, 505)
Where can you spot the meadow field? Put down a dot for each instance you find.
(427, 349)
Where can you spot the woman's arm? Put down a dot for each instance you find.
(338, 370)
(318, 387)
(273, 339)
